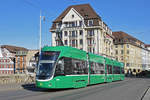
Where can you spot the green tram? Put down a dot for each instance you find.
(67, 67)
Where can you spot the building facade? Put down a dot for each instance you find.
(147, 66)
(81, 27)
(131, 51)
(6, 62)
(19, 59)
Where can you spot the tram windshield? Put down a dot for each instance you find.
(46, 64)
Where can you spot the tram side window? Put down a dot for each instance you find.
(85, 67)
(102, 68)
(92, 67)
(109, 69)
(116, 70)
(79, 67)
(97, 68)
(74, 66)
(68, 66)
(59, 68)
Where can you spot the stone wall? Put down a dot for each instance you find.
(17, 78)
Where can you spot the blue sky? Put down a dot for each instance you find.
(19, 19)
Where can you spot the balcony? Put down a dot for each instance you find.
(73, 24)
(72, 37)
(89, 36)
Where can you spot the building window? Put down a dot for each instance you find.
(117, 58)
(73, 42)
(81, 41)
(127, 51)
(90, 32)
(66, 42)
(127, 64)
(116, 52)
(122, 46)
(121, 57)
(73, 24)
(116, 46)
(121, 51)
(93, 50)
(127, 45)
(76, 42)
(76, 33)
(66, 33)
(81, 32)
(89, 41)
(80, 23)
(90, 22)
(73, 33)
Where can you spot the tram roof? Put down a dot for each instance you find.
(67, 51)
(96, 58)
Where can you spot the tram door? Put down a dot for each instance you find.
(109, 75)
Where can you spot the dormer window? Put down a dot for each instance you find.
(58, 25)
(90, 22)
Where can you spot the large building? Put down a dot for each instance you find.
(81, 27)
(131, 51)
(19, 58)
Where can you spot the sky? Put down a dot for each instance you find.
(20, 19)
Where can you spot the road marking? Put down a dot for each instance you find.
(146, 95)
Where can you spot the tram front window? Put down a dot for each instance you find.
(45, 70)
(46, 65)
(49, 55)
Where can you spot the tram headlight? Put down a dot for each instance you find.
(41, 84)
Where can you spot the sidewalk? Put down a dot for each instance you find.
(147, 95)
(6, 87)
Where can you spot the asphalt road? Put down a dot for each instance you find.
(129, 89)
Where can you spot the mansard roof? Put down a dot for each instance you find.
(124, 37)
(85, 10)
(13, 49)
